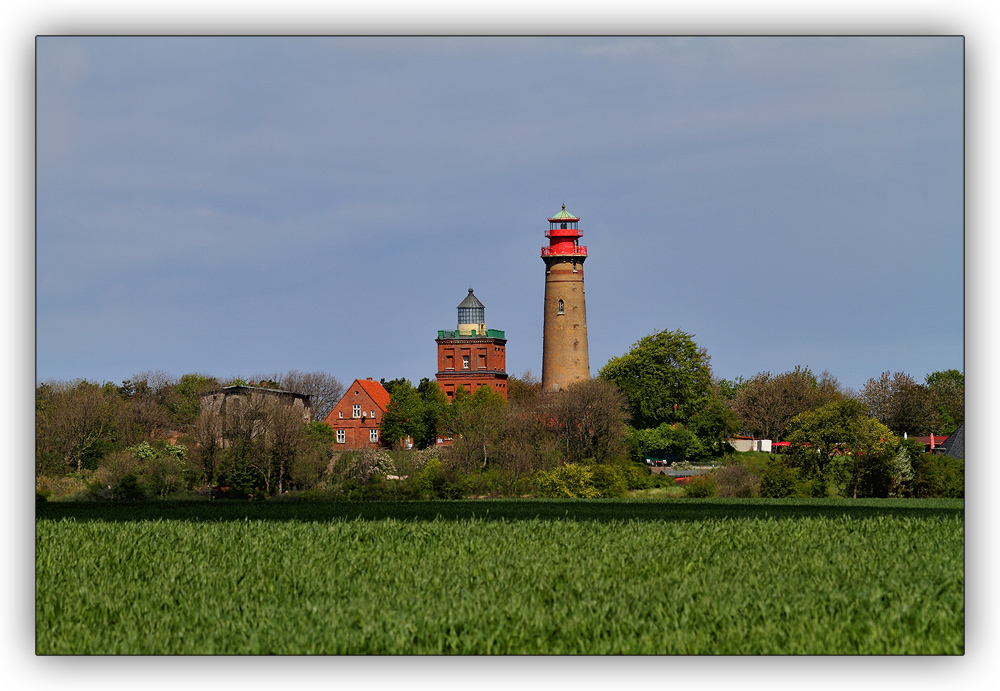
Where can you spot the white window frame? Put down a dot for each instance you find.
(373, 435)
(341, 414)
(357, 410)
(373, 415)
(341, 436)
(465, 362)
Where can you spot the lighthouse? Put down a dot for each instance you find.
(565, 358)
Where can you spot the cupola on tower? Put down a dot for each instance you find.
(472, 355)
(565, 358)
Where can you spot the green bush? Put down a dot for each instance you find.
(488, 482)
(568, 481)
(701, 486)
(778, 480)
(609, 480)
(938, 475)
(637, 476)
(661, 480)
(434, 482)
(128, 488)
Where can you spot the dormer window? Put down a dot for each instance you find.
(562, 308)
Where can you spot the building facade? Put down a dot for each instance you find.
(358, 414)
(249, 410)
(565, 355)
(472, 355)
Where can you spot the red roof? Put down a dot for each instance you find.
(376, 391)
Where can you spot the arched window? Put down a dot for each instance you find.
(561, 308)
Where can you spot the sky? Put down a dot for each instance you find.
(247, 205)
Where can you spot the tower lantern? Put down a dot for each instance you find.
(471, 316)
(565, 357)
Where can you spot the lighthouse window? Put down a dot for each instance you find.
(561, 307)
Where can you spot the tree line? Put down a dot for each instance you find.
(660, 399)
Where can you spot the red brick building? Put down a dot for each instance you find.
(357, 416)
(472, 355)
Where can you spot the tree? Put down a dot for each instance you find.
(766, 403)
(208, 440)
(478, 425)
(323, 389)
(404, 415)
(435, 413)
(393, 383)
(588, 419)
(526, 389)
(946, 390)
(900, 404)
(667, 442)
(77, 424)
(840, 437)
(186, 403)
(714, 424)
(726, 389)
(147, 395)
(665, 377)
(262, 437)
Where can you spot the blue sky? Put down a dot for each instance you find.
(248, 205)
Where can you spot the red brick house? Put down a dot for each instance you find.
(472, 355)
(356, 417)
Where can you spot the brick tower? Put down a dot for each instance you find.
(565, 358)
(472, 355)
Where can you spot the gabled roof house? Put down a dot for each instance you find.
(357, 416)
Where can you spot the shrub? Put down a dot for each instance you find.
(938, 475)
(779, 480)
(363, 465)
(55, 488)
(489, 482)
(638, 476)
(661, 480)
(434, 482)
(609, 480)
(128, 488)
(568, 481)
(701, 486)
(737, 481)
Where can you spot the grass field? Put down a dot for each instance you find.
(489, 577)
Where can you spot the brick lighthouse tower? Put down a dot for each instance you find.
(565, 358)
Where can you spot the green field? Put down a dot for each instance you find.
(500, 577)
